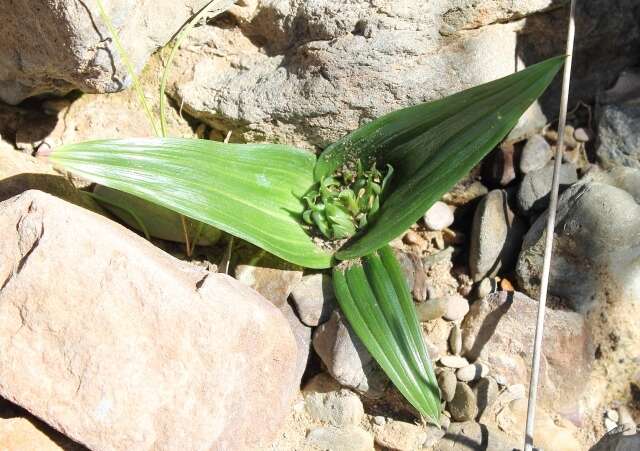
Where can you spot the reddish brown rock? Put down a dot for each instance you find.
(499, 330)
(121, 346)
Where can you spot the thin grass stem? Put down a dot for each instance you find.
(127, 63)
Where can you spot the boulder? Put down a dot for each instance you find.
(596, 271)
(499, 330)
(57, 46)
(307, 73)
(120, 346)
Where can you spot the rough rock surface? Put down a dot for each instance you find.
(307, 73)
(619, 135)
(56, 46)
(302, 334)
(470, 436)
(133, 333)
(606, 218)
(499, 330)
(596, 270)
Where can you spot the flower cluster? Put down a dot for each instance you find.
(342, 204)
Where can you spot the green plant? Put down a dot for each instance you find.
(338, 210)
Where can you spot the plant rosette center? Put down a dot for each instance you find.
(341, 204)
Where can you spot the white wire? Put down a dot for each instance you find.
(551, 220)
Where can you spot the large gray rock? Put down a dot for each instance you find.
(596, 247)
(619, 135)
(121, 346)
(60, 45)
(596, 270)
(308, 72)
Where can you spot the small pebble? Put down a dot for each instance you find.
(464, 405)
(379, 420)
(434, 434)
(501, 380)
(445, 422)
(431, 309)
(551, 135)
(581, 135)
(411, 237)
(472, 372)
(456, 308)
(485, 288)
(505, 285)
(609, 424)
(438, 217)
(455, 340)
(535, 154)
(612, 415)
(447, 383)
(453, 361)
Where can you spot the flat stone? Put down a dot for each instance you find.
(453, 361)
(472, 372)
(456, 308)
(270, 276)
(336, 408)
(496, 237)
(107, 387)
(314, 298)
(438, 217)
(400, 436)
(581, 135)
(431, 309)
(533, 194)
(463, 406)
(349, 438)
(346, 358)
(536, 153)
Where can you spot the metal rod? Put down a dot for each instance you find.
(551, 220)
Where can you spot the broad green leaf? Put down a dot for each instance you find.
(152, 219)
(375, 298)
(431, 146)
(251, 191)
